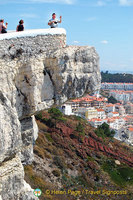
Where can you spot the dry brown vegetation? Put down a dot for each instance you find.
(66, 159)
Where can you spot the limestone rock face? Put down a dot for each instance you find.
(35, 73)
(29, 131)
(73, 71)
(10, 130)
(12, 184)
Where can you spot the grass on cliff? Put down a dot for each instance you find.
(37, 182)
(122, 175)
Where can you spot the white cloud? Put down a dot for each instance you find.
(126, 2)
(55, 1)
(69, 2)
(91, 19)
(28, 15)
(100, 3)
(104, 42)
(75, 42)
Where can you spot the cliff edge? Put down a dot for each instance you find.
(37, 69)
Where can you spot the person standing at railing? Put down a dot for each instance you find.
(20, 27)
(3, 27)
(53, 23)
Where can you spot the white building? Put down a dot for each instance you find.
(109, 107)
(120, 109)
(117, 86)
(121, 95)
(95, 122)
(66, 109)
(125, 134)
(101, 113)
(130, 134)
(116, 122)
(91, 113)
(113, 114)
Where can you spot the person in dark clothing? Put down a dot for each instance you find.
(20, 27)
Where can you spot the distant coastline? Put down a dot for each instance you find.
(119, 72)
(109, 77)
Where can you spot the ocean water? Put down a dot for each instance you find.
(120, 72)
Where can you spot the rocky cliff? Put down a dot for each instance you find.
(37, 69)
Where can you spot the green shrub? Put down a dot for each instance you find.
(90, 158)
(80, 129)
(59, 162)
(48, 136)
(55, 113)
(39, 116)
(112, 100)
(104, 131)
(121, 175)
(56, 172)
(63, 119)
(39, 151)
(78, 118)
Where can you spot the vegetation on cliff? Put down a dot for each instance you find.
(104, 131)
(71, 156)
(116, 78)
(112, 100)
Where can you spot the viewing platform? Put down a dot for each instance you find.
(32, 33)
(31, 42)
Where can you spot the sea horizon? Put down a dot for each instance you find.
(117, 71)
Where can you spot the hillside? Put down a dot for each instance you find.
(116, 78)
(72, 160)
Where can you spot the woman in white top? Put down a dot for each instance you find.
(3, 27)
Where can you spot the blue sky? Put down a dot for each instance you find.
(105, 24)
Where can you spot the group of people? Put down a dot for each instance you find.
(3, 26)
(53, 23)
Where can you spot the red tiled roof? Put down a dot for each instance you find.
(95, 119)
(109, 105)
(130, 129)
(99, 110)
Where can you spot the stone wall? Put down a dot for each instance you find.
(30, 46)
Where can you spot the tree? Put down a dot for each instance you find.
(112, 100)
(80, 129)
(104, 131)
(116, 78)
(55, 113)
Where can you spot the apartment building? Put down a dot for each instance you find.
(117, 86)
(120, 109)
(91, 113)
(116, 122)
(109, 108)
(101, 113)
(95, 122)
(122, 95)
(113, 114)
